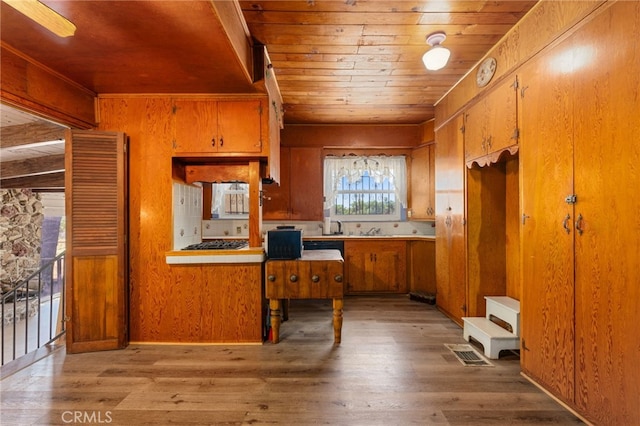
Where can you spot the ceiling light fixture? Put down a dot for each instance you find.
(436, 57)
(45, 16)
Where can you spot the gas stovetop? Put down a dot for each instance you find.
(218, 245)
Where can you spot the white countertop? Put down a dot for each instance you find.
(243, 255)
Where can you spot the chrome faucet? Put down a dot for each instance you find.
(372, 231)
(339, 227)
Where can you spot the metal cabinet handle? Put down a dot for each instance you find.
(315, 278)
(271, 277)
(293, 278)
(565, 223)
(221, 141)
(213, 141)
(579, 224)
(338, 278)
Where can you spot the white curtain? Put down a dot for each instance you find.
(353, 167)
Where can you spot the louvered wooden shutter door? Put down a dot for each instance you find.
(97, 258)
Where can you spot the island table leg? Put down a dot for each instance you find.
(274, 306)
(338, 304)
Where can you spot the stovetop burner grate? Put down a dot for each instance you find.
(218, 245)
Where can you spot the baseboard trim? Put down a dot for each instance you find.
(556, 399)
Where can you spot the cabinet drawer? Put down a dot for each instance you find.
(292, 279)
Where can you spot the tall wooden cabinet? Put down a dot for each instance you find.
(580, 233)
(450, 220)
(97, 273)
(423, 199)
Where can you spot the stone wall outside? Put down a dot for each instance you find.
(21, 219)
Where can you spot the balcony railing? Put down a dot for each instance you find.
(33, 311)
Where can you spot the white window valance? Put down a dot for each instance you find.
(354, 167)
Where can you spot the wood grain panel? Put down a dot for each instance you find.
(147, 121)
(306, 184)
(350, 136)
(450, 234)
(546, 160)
(607, 157)
(94, 301)
(512, 228)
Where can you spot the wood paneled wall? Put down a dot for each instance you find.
(351, 136)
(172, 303)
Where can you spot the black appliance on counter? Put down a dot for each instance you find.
(284, 242)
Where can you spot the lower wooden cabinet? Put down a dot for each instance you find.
(422, 266)
(375, 266)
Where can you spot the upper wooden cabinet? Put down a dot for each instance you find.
(490, 126)
(299, 195)
(423, 195)
(209, 127)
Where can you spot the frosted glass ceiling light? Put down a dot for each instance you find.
(436, 57)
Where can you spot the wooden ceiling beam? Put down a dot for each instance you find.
(32, 166)
(30, 133)
(385, 6)
(49, 181)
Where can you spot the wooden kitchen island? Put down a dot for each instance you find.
(318, 274)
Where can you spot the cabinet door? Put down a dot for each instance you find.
(475, 131)
(422, 271)
(276, 206)
(546, 160)
(306, 184)
(422, 206)
(239, 126)
(450, 238)
(501, 117)
(375, 267)
(491, 124)
(607, 277)
(195, 126)
(389, 265)
(358, 267)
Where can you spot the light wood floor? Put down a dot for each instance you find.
(392, 368)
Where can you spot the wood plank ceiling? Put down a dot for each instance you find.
(359, 61)
(336, 61)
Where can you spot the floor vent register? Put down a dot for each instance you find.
(468, 356)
